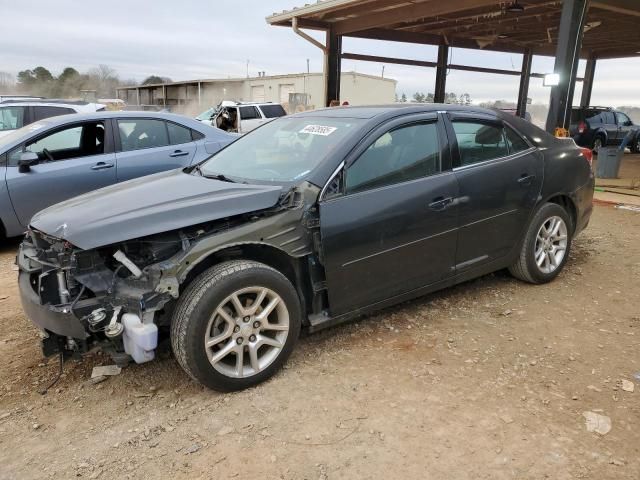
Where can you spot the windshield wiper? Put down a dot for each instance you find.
(217, 176)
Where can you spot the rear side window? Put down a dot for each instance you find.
(479, 142)
(40, 113)
(514, 141)
(249, 113)
(137, 134)
(609, 118)
(11, 118)
(272, 111)
(178, 134)
(400, 155)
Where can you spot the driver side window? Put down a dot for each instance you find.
(400, 155)
(74, 141)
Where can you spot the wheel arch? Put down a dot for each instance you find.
(566, 202)
(294, 268)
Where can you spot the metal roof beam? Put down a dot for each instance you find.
(425, 9)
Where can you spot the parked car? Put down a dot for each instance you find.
(61, 157)
(15, 114)
(306, 222)
(594, 127)
(5, 98)
(238, 117)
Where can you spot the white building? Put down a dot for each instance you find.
(303, 90)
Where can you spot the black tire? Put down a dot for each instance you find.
(194, 310)
(635, 144)
(525, 267)
(598, 142)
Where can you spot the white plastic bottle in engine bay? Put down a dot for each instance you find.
(140, 339)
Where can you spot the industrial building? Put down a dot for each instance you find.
(294, 91)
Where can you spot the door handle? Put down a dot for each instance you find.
(440, 203)
(526, 179)
(179, 153)
(102, 166)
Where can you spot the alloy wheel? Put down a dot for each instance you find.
(247, 332)
(597, 145)
(551, 244)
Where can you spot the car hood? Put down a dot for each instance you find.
(148, 205)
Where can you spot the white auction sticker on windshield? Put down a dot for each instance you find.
(318, 130)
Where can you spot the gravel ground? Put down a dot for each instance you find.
(490, 379)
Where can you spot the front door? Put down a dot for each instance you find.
(625, 125)
(147, 146)
(250, 118)
(74, 160)
(391, 227)
(499, 175)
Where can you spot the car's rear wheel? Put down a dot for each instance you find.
(598, 143)
(545, 248)
(235, 325)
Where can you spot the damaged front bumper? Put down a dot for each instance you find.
(78, 302)
(50, 318)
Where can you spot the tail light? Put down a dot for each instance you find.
(582, 127)
(588, 155)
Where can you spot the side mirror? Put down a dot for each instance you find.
(27, 160)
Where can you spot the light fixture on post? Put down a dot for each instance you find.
(515, 7)
(551, 80)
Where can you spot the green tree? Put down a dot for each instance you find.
(42, 75)
(403, 99)
(155, 79)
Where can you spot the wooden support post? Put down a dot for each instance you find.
(523, 92)
(441, 73)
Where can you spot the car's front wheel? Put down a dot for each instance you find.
(545, 248)
(635, 145)
(235, 325)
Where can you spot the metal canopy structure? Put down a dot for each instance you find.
(566, 29)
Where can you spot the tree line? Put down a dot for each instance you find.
(70, 83)
(452, 98)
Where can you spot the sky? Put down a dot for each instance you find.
(191, 39)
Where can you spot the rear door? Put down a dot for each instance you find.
(499, 175)
(150, 145)
(74, 159)
(390, 226)
(610, 126)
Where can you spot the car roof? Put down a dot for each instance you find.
(39, 101)
(373, 111)
(62, 120)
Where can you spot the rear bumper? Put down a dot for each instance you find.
(58, 320)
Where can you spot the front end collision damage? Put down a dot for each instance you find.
(78, 297)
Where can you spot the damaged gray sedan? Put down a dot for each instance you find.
(306, 222)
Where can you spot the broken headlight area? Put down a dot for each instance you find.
(105, 297)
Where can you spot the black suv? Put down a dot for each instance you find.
(594, 127)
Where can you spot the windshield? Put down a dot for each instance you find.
(206, 115)
(284, 150)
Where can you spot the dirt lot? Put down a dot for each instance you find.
(486, 380)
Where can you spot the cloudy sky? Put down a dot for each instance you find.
(189, 39)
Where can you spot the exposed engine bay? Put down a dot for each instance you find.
(121, 296)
